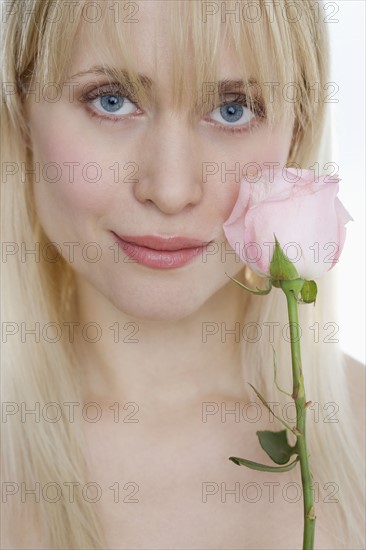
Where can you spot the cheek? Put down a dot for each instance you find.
(254, 157)
(75, 184)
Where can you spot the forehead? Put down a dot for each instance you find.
(152, 36)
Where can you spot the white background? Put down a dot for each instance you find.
(348, 71)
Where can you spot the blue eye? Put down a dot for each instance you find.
(111, 103)
(110, 100)
(232, 113)
(114, 104)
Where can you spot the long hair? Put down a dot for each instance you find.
(286, 49)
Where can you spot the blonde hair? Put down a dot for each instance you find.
(37, 49)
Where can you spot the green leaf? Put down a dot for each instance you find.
(281, 268)
(262, 467)
(257, 292)
(309, 292)
(276, 445)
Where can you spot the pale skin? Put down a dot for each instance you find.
(169, 372)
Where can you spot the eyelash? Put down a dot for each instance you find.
(240, 99)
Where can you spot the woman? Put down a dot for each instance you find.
(126, 129)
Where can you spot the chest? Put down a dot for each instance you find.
(174, 487)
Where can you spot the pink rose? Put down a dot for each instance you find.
(303, 212)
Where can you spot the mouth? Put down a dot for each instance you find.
(168, 252)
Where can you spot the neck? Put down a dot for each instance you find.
(166, 362)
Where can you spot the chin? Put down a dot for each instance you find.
(157, 296)
(157, 308)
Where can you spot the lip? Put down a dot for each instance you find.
(161, 252)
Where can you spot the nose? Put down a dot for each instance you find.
(169, 171)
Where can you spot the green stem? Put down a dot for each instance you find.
(291, 289)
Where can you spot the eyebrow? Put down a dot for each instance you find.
(225, 85)
(146, 82)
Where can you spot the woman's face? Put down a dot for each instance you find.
(153, 172)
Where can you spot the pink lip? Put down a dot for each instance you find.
(161, 252)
